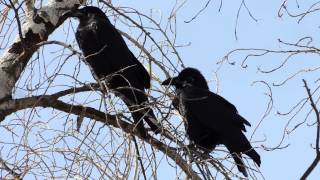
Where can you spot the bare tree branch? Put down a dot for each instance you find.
(16, 57)
(51, 101)
(317, 149)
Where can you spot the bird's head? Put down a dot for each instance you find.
(187, 77)
(86, 13)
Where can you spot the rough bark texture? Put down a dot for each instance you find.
(51, 101)
(15, 58)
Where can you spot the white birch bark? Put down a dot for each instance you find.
(16, 56)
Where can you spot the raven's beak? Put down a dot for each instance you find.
(73, 13)
(169, 81)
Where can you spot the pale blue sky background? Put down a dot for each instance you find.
(212, 36)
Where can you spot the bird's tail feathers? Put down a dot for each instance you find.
(241, 167)
(254, 156)
(151, 120)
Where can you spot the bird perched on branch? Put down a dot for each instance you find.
(211, 119)
(110, 59)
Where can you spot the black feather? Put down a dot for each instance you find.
(211, 119)
(109, 57)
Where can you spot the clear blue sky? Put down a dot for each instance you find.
(212, 36)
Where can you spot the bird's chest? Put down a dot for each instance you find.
(183, 103)
(180, 104)
(193, 127)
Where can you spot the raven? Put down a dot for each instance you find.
(110, 58)
(201, 82)
(211, 119)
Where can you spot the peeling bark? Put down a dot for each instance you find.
(15, 58)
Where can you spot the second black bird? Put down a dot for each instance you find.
(109, 57)
(211, 120)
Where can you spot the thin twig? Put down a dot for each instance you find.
(139, 157)
(317, 158)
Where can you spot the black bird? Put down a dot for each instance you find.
(201, 82)
(110, 58)
(211, 119)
